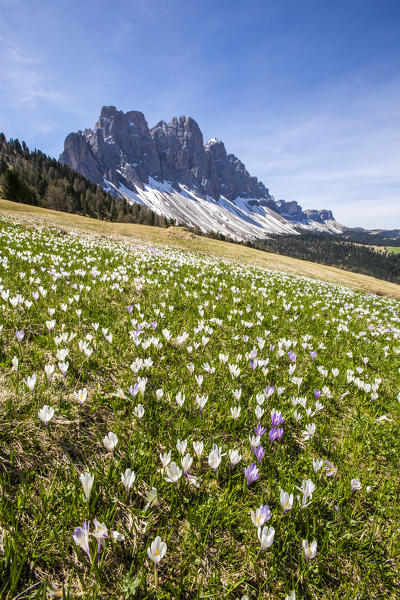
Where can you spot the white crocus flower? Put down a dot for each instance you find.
(234, 457)
(62, 354)
(165, 459)
(258, 412)
(199, 380)
(254, 440)
(49, 370)
(235, 412)
(215, 457)
(31, 381)
(198, 448)
(120, 394)
(310, 550)
(117, 537)
(266, 536)
(180, 399)
(298, 416)
(181, 446)
(15, 363)
(355, 485)
(317, 464)
(138, 411)
(157, 550)
(110, 441)
(259, 516)
(307, 487)
(201, 401)
(128, 479)
(286, 500)
(63, 366)
(81, 395)
(237, 394)
(309, 431)
(173, 473)
(100, 532)
(45, 414)
(234, 371)
(81, 538)
(186, 462)
(151, 498)
(87, 482)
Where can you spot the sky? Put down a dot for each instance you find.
(305, 92)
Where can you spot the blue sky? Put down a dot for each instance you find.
(305, 92)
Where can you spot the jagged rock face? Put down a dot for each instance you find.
(123, 149)
(291, 210)
(180, 149)
(78, 155)
(321, 216)
(123, 154)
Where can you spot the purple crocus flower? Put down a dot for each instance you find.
(20, 335)
(251, 473)
(253, 364)
(276, 418)
(275, 434)
(134, 390)
(153, 324)
(259, 453)
(245, 338)
(269, 390)
(81, 537)
(129, 308)
(292, 356)
(272, 347)
(317, 394)
(272, 435)
(313, 354)
(259, 430)
(265, 512)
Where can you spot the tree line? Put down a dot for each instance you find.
(336, 251)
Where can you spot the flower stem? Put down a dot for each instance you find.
(155, 575)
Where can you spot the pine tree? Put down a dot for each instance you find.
(16, 190)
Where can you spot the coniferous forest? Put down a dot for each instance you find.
(336, 251)
(34, 178)
(31, 177)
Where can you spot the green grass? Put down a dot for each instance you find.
(212, 545)
(393, 249)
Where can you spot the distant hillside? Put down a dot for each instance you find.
(337, 251)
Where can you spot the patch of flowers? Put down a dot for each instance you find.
(166, 406)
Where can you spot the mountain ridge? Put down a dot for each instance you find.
(170, 169)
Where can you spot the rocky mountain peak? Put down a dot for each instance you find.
(122, 153)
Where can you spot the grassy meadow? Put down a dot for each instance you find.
(177, 425)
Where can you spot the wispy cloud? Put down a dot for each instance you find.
(23, 77)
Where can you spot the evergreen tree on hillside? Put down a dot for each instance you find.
(16, 190)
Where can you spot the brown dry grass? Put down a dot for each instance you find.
(181, 239)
